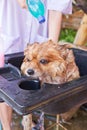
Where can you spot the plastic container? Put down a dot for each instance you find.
(36, 8)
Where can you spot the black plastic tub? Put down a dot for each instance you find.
(26, 95)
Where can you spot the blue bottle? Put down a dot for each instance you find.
(36, 8)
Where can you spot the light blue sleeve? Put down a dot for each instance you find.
(64, 6)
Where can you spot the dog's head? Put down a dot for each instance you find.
(50, 62)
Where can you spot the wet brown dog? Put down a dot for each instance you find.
(51, 63)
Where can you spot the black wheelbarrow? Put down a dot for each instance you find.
(26, 95)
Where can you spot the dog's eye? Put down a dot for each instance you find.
(27, 60)
(43, 61)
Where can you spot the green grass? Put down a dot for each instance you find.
(67, 35)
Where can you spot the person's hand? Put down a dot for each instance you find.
(22, 3)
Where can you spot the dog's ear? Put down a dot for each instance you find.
(52, 42)
(72, 69)
(30, 47)
(61, 69)
(26, 50)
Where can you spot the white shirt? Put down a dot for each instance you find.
(18, 26)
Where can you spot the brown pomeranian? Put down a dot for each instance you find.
(51, 63)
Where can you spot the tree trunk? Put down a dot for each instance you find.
(81, 36)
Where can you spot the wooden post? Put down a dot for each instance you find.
(57, 121)
(81, 36)
(27, 122)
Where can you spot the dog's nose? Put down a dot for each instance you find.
(30, 71)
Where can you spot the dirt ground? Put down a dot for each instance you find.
(78, 122)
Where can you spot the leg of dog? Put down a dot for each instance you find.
(65, 117)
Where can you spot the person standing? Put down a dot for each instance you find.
(18, 27)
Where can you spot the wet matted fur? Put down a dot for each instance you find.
(51, 63)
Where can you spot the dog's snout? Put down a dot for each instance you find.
(30, 71)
